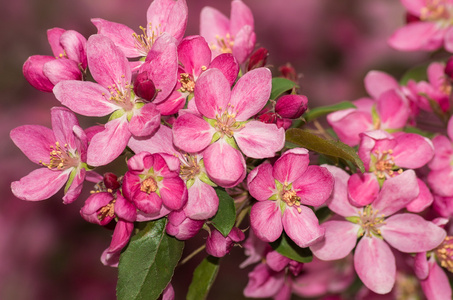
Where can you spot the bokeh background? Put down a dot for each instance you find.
(47, 250)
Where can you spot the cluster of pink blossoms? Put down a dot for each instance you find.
(201, 122)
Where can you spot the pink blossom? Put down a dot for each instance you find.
(284, 191)
(437, 89)
(217, 245)
(282, 112)
(224, 127)
(235, 35)
(430, 32)
(163, 16)
(379, 226)
(113, 94)
(68, 63)
(62, 153)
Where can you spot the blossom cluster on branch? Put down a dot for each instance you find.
(213, 141)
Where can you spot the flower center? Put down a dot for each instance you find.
(226, 124)
(189, 168)
(107, 211)
(143, 42)
(444, 253)
(435, 10)
(384, 164)
(148, 185)
(291, 199)
(370, 221)
(121, 96)
(60, 158)
(224, 45)
(187, 84)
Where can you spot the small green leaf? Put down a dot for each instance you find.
(117, 114)
(305, 139)
(225, 217)
(417, 73)
(147, 265)
(317, 112)
(286, 247)
(281, 85)
(203, 278)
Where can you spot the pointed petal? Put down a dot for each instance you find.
(34, 141)
(224, 164)
(53, 36)
(75, 189)
(251, 93)
(61, 69)
(339, 240)
(192, 133)
(108, 64)
(266, 220)
(240, 16)
(33, 72)
(74, 45)
(85, 98)
(411, 233)
(212, 24)
(63, 122)
(108, 144)
(40, 184)
(377, 82)
(212, 93)
(303, 228)
(260, 140)
(374, 262)
(244, 44)
(145, 121)
(203, 201)
(291, 165)
(170, 15)
(315, 186)
(396, 193)
(261, 183)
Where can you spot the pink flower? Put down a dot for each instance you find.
(113, 94)
(379, 227)
(284, 191)
(432, 31)
(217, 245)
(62, 152)
(282, 112)
(437, 89)
(223, 126)
(182, 227)
(167, 16)
(68, 63)
(235, 35)
(150, 184)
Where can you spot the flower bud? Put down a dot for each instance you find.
(217, 245)
(258, 59)
(144, 87)
(111, 181)
(291, 106)
(182, 227)
(449, 68)
(288, 72)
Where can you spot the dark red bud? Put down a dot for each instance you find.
(258, 59)
(144, 87)
(111, 181)
(411, 18)
(288, 72)
(449, 68)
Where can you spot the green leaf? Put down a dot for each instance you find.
(225, 217)
(305, 139)
(317, 112)
(417, 73)
(147, 265)
(203, 278)
(281, 85)
(286, 247)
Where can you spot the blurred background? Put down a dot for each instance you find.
(48, 251)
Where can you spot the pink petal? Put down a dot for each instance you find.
(414, 6)
(121, 235)
(244, 44)
(392, 109)
(202, 202)
(264, 282)
(63, 122)
(276, 261)
(120, 34)
(213, 23)
(377, 82)
(240, 16)
(302, 227)
(349, 123)
(412, 151)
(266, 220)
(212, 93)
(363, 189)
(192, 133)
(173, 193)
(194, 53)
(224, 164)
(172, 104)
(74, 45)
(374, 262)
(61, 69)
(339, 240)
(250, 93)
(440, 181)
(170, 15)
(396, 193)
(411, 233)
(421, 266)
(34, 141)
(443, 152)
(108, 64)
(95, 202)
(40, 184)
(437, 285)
(416, 36)
(260, 140)
(33, 72)
(145, 121)
(338, 201)
(124, 209)
(423, 200)
(261, 183)
(315, 186)
(75, 189)
(53, 36)
(160, 142)
(110, 143)
(85, 98)
(228, 65)
(450, 128)
(291, 165)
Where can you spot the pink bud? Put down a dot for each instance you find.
(144, 86)
(182, 227)
(291, 106)
(258, 59)
(449, 68)
(217, 245)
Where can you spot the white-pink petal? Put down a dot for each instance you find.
(302, 227)
(266, 220)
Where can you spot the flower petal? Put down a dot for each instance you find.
(33, 72)
(314, 186)
(34, 141)
(228, 65)
(338, 201)
(363, 189)
(302, 227)
(266, 220)
(260, 140)
(436, 286)
(173, 193)
(212, 93)
(61, 69)
(194, 53)
(202, 202)
(261, 183)
(192, 133)
(291, 165)
(377, 82)
(145, 121)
